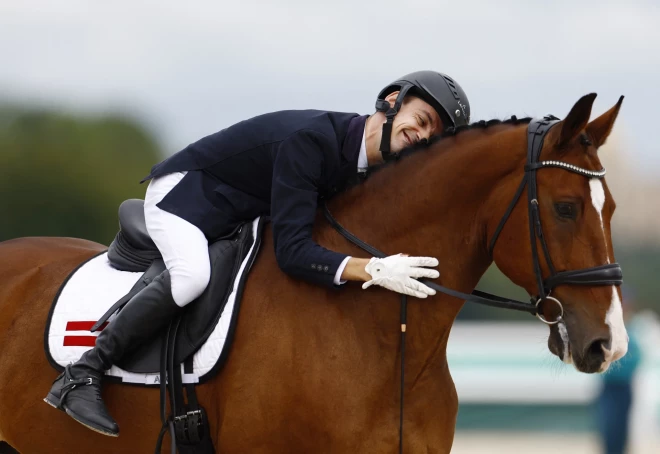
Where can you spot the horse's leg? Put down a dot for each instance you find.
(31, 271)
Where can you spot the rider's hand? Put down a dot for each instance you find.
(398, 273)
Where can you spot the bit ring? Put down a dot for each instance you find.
(540, 317)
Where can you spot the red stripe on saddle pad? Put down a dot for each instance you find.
(83, 326)
(79, 341)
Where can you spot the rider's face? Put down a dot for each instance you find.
(415, 121)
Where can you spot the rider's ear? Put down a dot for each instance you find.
(576, 119)
(599, 129)
(391, 98)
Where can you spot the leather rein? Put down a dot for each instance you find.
(609, 274)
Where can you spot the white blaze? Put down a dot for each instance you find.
(614, 319)
(598, 200)
(614, 316)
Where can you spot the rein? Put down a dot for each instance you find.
(609, 274)
(476, 296)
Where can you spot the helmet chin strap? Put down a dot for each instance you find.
(390, 113)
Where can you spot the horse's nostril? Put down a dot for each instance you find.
(597, 346)
(594, 356)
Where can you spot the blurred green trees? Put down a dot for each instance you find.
(62, 175)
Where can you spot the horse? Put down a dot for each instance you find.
(316, 369)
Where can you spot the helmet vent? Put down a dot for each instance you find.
(452, 87)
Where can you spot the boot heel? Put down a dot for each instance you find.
(53, 401)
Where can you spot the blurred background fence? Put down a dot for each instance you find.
(516, 397)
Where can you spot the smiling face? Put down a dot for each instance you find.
(575, 215)
(416, 121)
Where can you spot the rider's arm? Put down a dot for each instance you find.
(297, 174)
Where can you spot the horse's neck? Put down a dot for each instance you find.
(434, 205)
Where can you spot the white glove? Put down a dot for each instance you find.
(397, 273)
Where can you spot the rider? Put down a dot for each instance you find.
(276, 164)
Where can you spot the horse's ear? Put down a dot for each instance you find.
(576, 119)
(599, 129)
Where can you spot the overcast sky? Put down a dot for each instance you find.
(191, 68)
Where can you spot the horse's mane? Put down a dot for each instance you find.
(449, 132)
(454, 131)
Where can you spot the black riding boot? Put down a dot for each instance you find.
(77, 391)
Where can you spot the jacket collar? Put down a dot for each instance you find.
(350, 153)
(353, 141)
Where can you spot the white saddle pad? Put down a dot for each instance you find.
(92, 289)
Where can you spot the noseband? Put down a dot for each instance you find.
(609, 274)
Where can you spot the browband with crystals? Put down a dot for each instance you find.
(566, 166)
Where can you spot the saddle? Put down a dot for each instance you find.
(134, 250)
(190, 351)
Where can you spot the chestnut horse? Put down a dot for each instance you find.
(317, 370)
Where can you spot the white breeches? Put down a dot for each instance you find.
(183, 246)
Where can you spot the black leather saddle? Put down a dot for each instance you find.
(134, 250)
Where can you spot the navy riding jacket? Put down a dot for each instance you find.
(278, 165)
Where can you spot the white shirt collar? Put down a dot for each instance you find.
(363, 163)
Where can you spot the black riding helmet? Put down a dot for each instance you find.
(439, 90)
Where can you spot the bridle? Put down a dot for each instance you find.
(609, 274)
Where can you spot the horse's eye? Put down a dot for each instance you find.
(566, 210)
